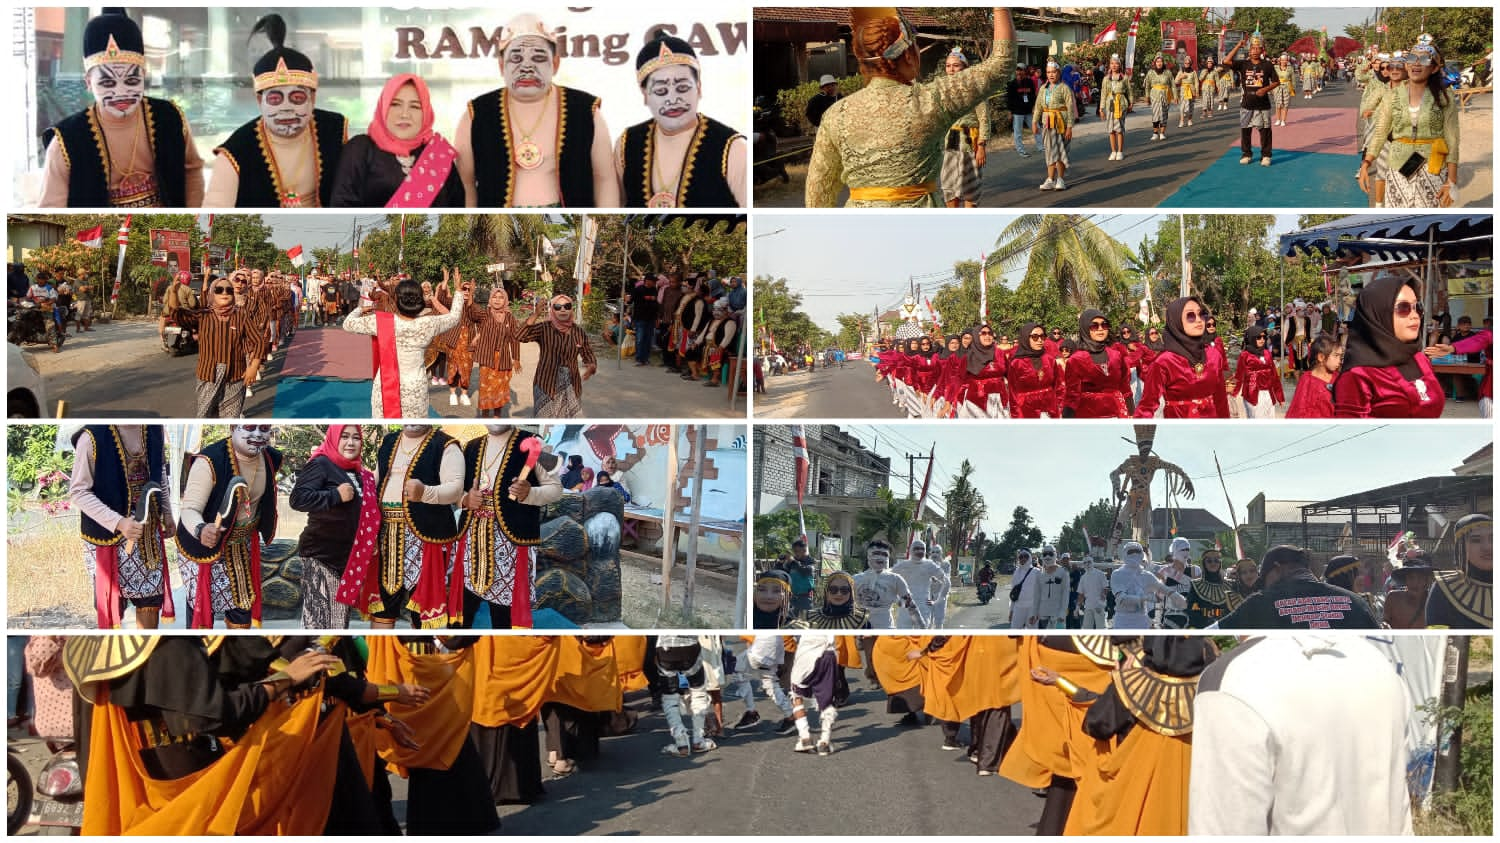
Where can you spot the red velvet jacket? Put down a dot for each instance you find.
(1185, 394)
(1382, 392)
(1480, 341)
(1034, 392)
(1254, 372)
(1312, 400)
(1092, 393)
(989, 381)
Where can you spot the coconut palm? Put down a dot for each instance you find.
(891, 518)
(1067, 252)
(965, 508)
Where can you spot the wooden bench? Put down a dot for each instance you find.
(683, 522)
(1465, 94)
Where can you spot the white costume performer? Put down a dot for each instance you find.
(815, 653)
(1178, 575)
(679, 661)
(916, 569)
(1093, 588)
(1135, 587)
(1023, 572)
(1050, 586)
(764, 658)
(878, 590)
(945, 585)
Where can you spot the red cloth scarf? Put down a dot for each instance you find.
(203, 601)
(357, 587)
(434, 597)
(520, 591)
(386, 364)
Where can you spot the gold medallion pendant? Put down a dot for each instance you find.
(662, 199)
(528, 155)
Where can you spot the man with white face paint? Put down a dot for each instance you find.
(679, 158)
(917, 569)
(286, 157)
(127, 150)
(1134, 587)
(1178, 575)
(877, 590)
(501, 524)
(513, 151)
(943, 584)
(219, 555)
(1093, 600)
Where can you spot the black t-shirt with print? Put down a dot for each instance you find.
(1257, 75)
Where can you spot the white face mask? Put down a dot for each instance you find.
(119, 88)
(527, 66)
(287, 109)
(878, 559)
(248, 442)
(672, 95)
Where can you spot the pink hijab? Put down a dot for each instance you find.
(382, 136)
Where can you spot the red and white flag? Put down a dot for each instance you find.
(801, 468)
(294, 255)
(926, 483)
(124, 238)
(1135, 25)
(1106, 35)
(93, 237)
(984, 301)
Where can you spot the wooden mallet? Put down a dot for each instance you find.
(532, 448)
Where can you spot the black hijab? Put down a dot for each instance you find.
(1176, 340)
(1253, 333)
(981, 355)
(1024, 349)
(1096, 350)
(1371, 340)
(1180, 656)
(1159, 345)
(944, 354)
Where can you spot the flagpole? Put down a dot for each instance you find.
(1239, 550)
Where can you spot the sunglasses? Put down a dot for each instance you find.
(839, 589)
(223, 291)
(1407, 308)
(986, 333)
(1192, 316)
(1098, 326)
(1036, 336)
(567, 305)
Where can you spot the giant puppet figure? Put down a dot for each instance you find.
(1131, 482)
(534, 143)
(127, 150)
(286, 157)
(679, 158)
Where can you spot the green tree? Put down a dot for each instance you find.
(775, 531)
(1021, 533)
(250, 234)
(964, 506)
(777, 309)
(1098, 520)
(853, 328)
(890, 519)
(1465, 33)
(1070, 263)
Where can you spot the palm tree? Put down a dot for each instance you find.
(509, 238)
(891, 518)
(1065, 250)
(964, 506)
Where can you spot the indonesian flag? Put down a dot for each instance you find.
(1106, 35)
(1205, 13)
(800, 472)
(1135, 25)
(124, 238)
(92, 238)
(926, 482)
(933, 313)
(984, 302)
(294, 255)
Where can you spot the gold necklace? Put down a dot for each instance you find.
(492, 462)
(137, 129)
(528, 154)
(663, 198)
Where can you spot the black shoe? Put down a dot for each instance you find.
(748, 719)
(951, 747)
(786, 726)
(910, 719)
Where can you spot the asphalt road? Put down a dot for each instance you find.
(966, 612)
(881, 779)
(850, 392)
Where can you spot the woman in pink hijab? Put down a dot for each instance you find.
(400, 162)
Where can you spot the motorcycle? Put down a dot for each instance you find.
(26, 322)
(55, 800)
(766, 119)
(180, 337)
(986, 592)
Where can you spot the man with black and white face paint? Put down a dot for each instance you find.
(511, 153)
(678, 158)
(228, 512)
(148, 157)
(419, 472)
(919, 572)
(506, 487)
(286, 157)
(877, 589)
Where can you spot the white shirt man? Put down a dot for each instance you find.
(943, 584)
(1093, 595)
(878, 590)
(1048, 589)
(919, 571)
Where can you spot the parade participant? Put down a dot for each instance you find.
(1292, 598)
(839, 609)
(127, 150)
(1097, 382)
(964, 147)
(679, 672)
(1187, 377)
(709, 157)
(1313, 398)
(231, 480)
(1020, 93)
(1177, 575)
(1255, 101)
(1311, 78)
(942, 584)
(497, 350)
(1463, 598)
(896, 661)
(983, 690)
(1211, 336)
(828, 94)
(419, 472)
(765, 657)
(1392, 81)
(815, 676)
(1371, 96)
(719, 341)
(1052, 121)
(1034, 377)
(1296, 693)
(1226, 83)
(920, 573)
(1256, 379)
(512, 674)
(877, 590)
(1093, 596)
(1246, 579)
(1211, 599)
(1296, 335)
(343, 521)
(1208, 90)
(401, 340)
(1471, 344)
(1136, 588)
(885, 140)
(1044, 594)
(1421, 120)
(1158, 83)
(400, 162)
(557, 391)
(1186, 81)
(1286, 88)
(1386, 374)
(1114, 104)
(124, 549)
(287, 156)
(1344, 571)
(802, 571)
(985, 368)
(458, 343)
(771, 602)
(534, 143)
(501, 525)
(229, 342)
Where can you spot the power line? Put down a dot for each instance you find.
(1284, 447)
(1294, 456)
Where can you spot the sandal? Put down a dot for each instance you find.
(707, 746)
(676, 751)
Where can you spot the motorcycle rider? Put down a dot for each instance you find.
(984, 581)
(179, 306)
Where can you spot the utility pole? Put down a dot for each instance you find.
(1455, 683)
(1184, 290)
(911, 477)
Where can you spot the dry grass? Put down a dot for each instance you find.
(46, 583)
(1436, 824)
(777, 192)
(713, 602)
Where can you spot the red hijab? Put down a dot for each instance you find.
(381, 135)
(330, 448)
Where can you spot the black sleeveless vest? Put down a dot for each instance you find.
(432, 522)
(109, 475)
(704, 183)
(218, 458)
(494, 168)
(520, 523)
(245, 150)
(81, 139)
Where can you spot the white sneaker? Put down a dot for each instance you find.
(452, 400)
(1244, 159)
(1265, 162)
(1120, 156)
(803, 745)
(463, 399)
(248, 392)
(1190, 122)
(1060, 185)
(1047, 185)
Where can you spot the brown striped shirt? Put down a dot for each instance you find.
(497, 338)
(448, 339)
(558, 348)
(229, 341)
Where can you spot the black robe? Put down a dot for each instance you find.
(368, 176)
